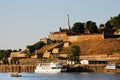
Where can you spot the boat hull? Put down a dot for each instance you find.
(47, 70)
(112, 70)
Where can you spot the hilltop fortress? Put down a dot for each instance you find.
(57, 42)
(64, 35)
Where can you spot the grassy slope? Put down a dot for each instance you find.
(98, 46)
(89, 47)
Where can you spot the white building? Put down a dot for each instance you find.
(84, 62)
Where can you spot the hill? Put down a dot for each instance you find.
(103, 46)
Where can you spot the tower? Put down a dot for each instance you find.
(68, 23)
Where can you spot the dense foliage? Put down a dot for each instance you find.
(78, 28)
(92, 27)
(4, 54)
(74, 53)
(31, 48)
(114, 22)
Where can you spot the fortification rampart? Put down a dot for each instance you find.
(85, 37)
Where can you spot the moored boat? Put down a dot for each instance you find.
(15, 74)
(53, 67)
(112, 68)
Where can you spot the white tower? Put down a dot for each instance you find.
(68, 23)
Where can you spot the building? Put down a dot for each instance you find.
(84, 62)
(93, 61)
(15, 56)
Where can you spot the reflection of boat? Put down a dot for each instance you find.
(15, 75)
(113, 68)
(49, 68)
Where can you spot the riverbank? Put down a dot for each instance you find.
(99, 68)
(70, 68)
(17, 68)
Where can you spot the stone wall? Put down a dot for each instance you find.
(58, 36)
(85, 37)
(63, 36)
(55, 50)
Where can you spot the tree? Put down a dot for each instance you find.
(1, 54)
(114, 22)
(5, 53)
(91, 26)
(108, 25)
(30, 50)
(101, 28)
(74, 53)
(101, 25)
(5, 61)
(78, 28)
(20, 50)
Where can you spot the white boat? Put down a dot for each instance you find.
(49, 68)
(110, 66)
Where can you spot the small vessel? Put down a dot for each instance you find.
(112, 68)
(53, 67)
(15, 74)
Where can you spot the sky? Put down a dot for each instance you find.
(25, 22)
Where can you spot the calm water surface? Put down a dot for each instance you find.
(62, 76)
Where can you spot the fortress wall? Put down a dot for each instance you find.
(72, 38)
(85, 37)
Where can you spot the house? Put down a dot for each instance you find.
(117, 32)
(15, 56)
(110, 33)
(93, 61)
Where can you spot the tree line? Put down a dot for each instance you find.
(112, 23)
(4, 54)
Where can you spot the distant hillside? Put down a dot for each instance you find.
(104, 46)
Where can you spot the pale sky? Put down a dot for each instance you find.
(24, 22)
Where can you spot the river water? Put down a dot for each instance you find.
(62, 76)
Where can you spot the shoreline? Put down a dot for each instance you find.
(97, 68)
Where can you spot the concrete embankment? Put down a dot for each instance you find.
(86, 68)
(70, 68)
(17, 68)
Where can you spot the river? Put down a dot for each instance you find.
(62, 76)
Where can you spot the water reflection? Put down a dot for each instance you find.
(62, 76)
